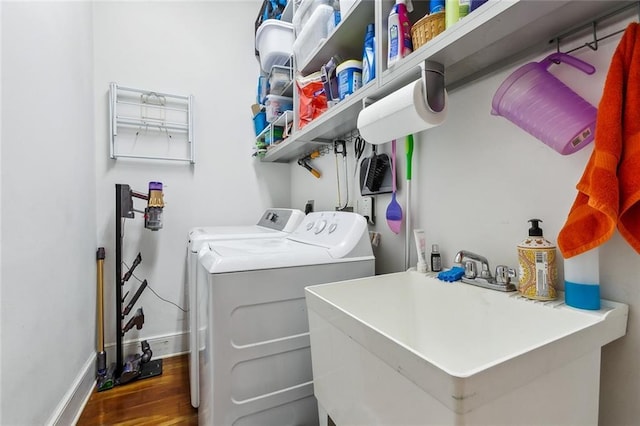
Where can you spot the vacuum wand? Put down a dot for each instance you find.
(101, 358)
(135, 263)
(135, 297)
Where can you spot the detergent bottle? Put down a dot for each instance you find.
(399, 36)
(369, 55)
(538, 270)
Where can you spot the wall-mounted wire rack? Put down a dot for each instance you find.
(150, 125)
(596, 35)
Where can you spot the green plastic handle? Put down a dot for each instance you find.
(409, 149)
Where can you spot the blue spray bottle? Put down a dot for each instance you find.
(399, 36)
(369, 55)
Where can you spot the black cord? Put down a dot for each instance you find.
(165, 300)
(154, 292)
(148, 286)
(358, 147)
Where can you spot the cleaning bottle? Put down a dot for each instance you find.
(538, 270)
(582, 280)
(399, 32)
(451, 12)
(436, 6)
(369, 55)
(436, 260)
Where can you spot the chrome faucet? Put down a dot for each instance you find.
(469, 261)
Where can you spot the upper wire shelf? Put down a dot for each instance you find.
(150, 125)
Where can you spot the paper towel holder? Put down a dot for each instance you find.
(413, 108)
(433, 85)
(432, 75)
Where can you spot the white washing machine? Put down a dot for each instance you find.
(274, 223)
(255, 358)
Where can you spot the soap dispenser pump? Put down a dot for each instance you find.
(538, 270)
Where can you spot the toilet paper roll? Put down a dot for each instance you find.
(402, 113)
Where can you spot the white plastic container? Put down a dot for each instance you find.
(313, 34)
(274, 42)
(349, 77)
(279, 79)
(345, 6)
(276, 105)
(305, 11)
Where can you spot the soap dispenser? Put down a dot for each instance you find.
(538, 270)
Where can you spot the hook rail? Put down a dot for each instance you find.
(593, 45)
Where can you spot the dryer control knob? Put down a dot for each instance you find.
(332, 227)
(309, 226)
(320, 226)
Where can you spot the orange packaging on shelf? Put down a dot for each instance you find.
(312, 98)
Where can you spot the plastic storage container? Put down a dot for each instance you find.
(260, 122)
(276, 105)
(274, 42)
(349, 77)
(313, 33)
(305, 11)
(273, 136)
(279, 78)
(536, 101)
(263, 89)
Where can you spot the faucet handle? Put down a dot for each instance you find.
(470, 269)
(485, 273)
(504, 274)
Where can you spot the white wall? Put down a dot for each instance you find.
(199, 48)
(0, 206)
(478, 179)
(48, 206)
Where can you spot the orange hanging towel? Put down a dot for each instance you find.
(609, 190)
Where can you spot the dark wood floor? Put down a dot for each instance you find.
(161, 400)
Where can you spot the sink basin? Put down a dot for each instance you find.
(407, 348)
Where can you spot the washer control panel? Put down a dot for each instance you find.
(330, 229)
(281, 219)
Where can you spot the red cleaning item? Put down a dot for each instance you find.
(313, 101)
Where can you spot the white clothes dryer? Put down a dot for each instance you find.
(274, 223)
(254, 357)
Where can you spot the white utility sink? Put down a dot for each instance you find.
(408, 349)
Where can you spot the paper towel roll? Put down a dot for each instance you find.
(402, 113)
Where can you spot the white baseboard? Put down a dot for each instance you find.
(161, 346)
(70, 408)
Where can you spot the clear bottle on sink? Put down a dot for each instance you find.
(582, 280)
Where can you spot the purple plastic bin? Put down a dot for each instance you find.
(536, 101)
